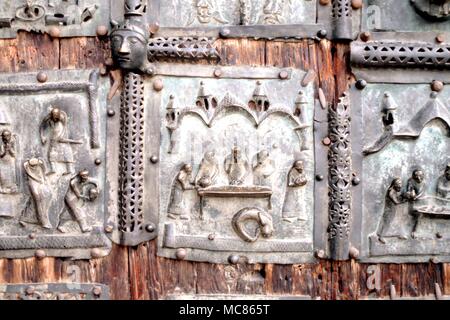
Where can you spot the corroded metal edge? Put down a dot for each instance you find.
(54, 291)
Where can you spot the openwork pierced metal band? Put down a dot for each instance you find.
(342, 19)
(131, 157)
(395, 54)
(182, 47)
(340, 176)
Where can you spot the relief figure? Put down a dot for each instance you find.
(8, 177)
(205, 12)
(263, 169)
(295, 197)
(183, 182)
(172, 122)
(209, 169)
(41, 193)
(236, 167)
(443, 184)
(390, 224)
(60, 147)
(81, 189)
(273, 12)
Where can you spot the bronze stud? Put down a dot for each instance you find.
(111, 113)
(361, 84)
(109, 228)
(32, 236)
(42, 77)
(319, 177)
(319, 254)
(365, 36)
(225, 32)
(283, 75)
(357, 4)
(40, 254)
(98, 161)
(102, 31)
(437, 86)
(181, 254)
(30, 290)
(96, 253)
(54, 32)
(356, 181)
(158, 85)
(217, 73)
(354, 253)
(150, 228)
(322, 33)
(440, 38)
(211, 237)
(154, 159)
(154, 28)
(233, 259)
(324, 2)
(97, 291)
(326, 141)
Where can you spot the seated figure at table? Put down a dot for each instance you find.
(443, 185)
(416, 185)
(236, 167)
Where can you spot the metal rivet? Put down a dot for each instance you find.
(357, 4)
(158, 85)
(217, 73)
(283, 75)
(42, 77)
(111, 113)
(96, 253)
(30, 290)
(320, 254)
(54, 32)
(32, 236)
(181, 254)
(150, 228)
(361, 84)
(40, 254)
(324, 2)
(434, 260)
(439, 235)
(154, 28)
(326, 141)
(97, 291)
(233, 259)
(354, 253)
(440, 38)
(98, 161)
(109, 228)
(102, 31)
(365, 36)
(322, 33)
(356, 181)
(211, 237)
(437, 86)
(154, 159)
(225, 32)
(319, 177)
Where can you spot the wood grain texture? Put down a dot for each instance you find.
(137, 272)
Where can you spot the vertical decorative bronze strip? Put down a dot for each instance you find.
(340, 175)
(131, 157)
(342, 20)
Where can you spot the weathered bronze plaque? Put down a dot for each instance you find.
(62, 18)
(53, 165)
(236, 168)
(406, 16)
(401, 129)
